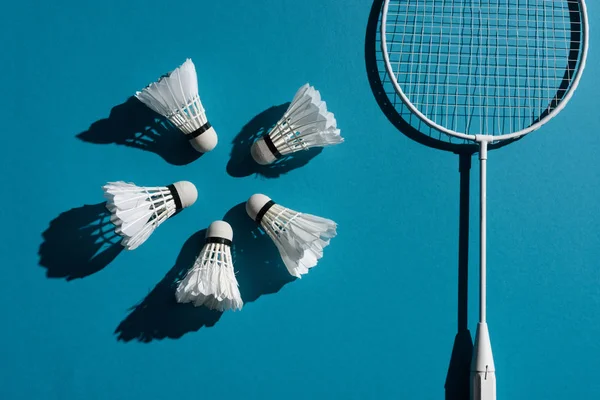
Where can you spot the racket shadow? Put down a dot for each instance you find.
(457, 384)
(241, 163)
(392, 106)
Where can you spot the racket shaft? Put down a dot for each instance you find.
(483, 386)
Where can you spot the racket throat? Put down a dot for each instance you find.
(483, 141)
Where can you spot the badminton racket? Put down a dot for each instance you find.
(484, 72)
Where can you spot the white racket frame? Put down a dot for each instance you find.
(482, 137)
(483, 372)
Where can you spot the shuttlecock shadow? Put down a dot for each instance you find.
(132, 124)
(258, 265)
(241, 163)
(158, 315)
(79, 242)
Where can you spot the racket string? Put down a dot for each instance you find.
(479, 66)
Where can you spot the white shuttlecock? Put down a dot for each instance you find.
(175, 96)
(300, 238)
(305, 124)
(137, 211)
(211, 281)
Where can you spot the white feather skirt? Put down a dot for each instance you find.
(211, 281)
(307, 123)
(175, 96)
(137, 211)
(300, 238)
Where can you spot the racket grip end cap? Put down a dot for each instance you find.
(483, 386)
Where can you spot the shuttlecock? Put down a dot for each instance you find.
(300, 238)
(305, 124)
(137, 211)
(175, 96)
(211, 281)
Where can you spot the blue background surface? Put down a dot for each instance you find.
(377, 317)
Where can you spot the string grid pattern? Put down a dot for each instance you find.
(396, 101)
(484, 66)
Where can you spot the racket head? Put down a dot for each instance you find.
(483, 67)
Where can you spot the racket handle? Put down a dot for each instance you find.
(483, 386)
(483, 371)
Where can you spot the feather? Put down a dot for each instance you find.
(299, 238)
(306, 123)
(137, 211)
(211, 282)
(175, 96)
